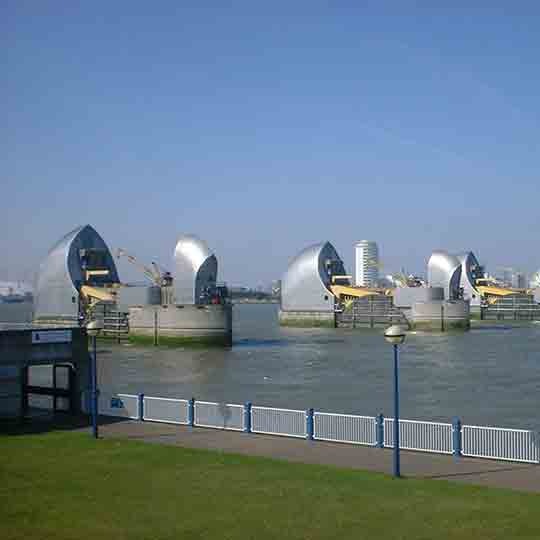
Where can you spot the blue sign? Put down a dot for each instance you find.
(116, 403)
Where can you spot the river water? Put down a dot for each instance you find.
(488, 376)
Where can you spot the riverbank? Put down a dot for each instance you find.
(130, 489)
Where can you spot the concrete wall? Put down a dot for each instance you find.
(405, 297)
(441, 315)
(10, 391)
(207, 323)
(128, 296)
(307, 319)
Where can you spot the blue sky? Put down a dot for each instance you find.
(264, 127)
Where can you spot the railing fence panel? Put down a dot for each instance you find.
(219, 415)
(421, 436)
(112, 404)
(499, 443)
(345, 428)
(287, 422)
(167, 410)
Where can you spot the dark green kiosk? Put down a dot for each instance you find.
(60, 354)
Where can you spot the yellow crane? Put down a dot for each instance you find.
(152, 272)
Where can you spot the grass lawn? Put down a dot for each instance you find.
(66, 485)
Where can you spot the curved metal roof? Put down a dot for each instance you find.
(535, 280)
(444, 270)
(195, 268)
(470, 267)
(305, 284)
(61, 274)
(192, 249)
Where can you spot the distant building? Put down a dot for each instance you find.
(367, 263)
(519, 280)
(507, 278)
(15, 288)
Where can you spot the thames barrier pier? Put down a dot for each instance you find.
(78, 281)
(200, 311)
(306, 298)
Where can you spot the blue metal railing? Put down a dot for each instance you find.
(377, 431)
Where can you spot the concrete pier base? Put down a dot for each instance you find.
(181, 325)
(440, 316)
(307, 319)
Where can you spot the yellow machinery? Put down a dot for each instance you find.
(346, 293)
(92, 296)
(159, 277)
(354, 292)
(341, 289)
(97, 294)
(153, 274)
(492, 293)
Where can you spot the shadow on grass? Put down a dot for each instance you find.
(52, 422)
(481, 471)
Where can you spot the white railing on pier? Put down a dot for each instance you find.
(420, 436)
(287, 422)
(166, 410)
(219, 415)
(345, 428)
(500, 443)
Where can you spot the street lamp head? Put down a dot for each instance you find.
(93, 328)
(395, 334)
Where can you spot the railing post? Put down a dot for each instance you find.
(247, 417)
(310, 425)
(457, 445)
(380, 431)
(191, 412)
(140, 403)
(155, 328)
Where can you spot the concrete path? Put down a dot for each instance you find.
(519, 476)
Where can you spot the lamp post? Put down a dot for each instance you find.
(396, 336)
(93, 328)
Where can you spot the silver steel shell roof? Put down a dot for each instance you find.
(305, 284)
(195, 268)
(444, 270)
(60, 275)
